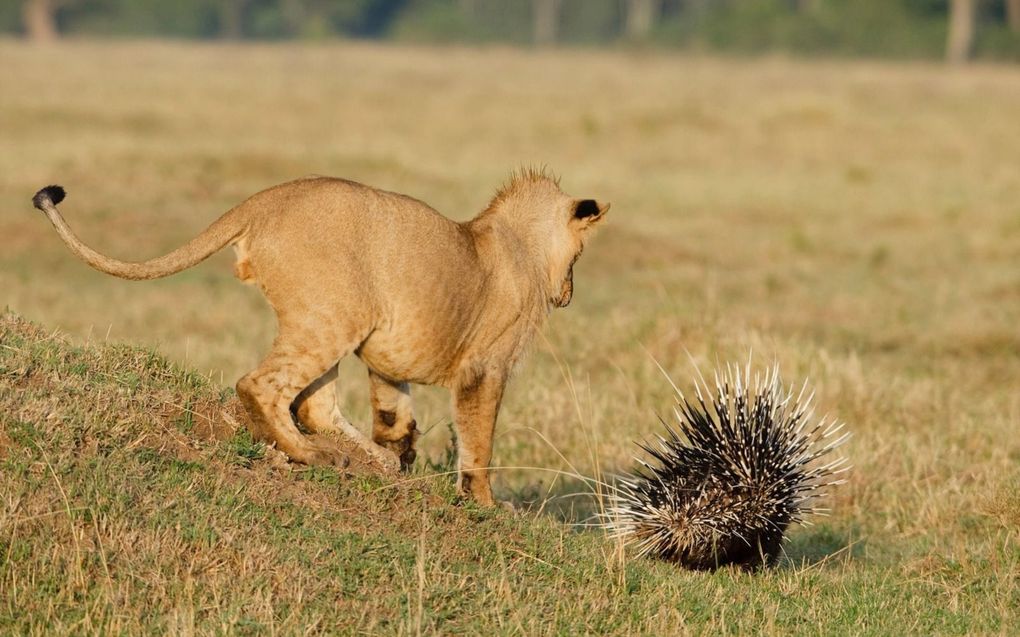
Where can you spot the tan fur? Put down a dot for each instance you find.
(418, 297)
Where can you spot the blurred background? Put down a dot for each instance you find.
(957, 29)
(809, 180)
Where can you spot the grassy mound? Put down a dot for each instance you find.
(131, 502)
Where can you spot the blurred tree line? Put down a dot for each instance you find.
(957, 29)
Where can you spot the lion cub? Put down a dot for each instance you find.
(419, 298)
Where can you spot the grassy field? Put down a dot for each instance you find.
(857, 222)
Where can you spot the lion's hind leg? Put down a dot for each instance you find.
(393, 424)
(317, 411)
(268, 392)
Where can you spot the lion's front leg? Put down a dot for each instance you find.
(393, 424)
(476, 404)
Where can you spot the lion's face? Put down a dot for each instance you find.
(576, 221)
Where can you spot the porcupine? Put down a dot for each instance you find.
(732, 474)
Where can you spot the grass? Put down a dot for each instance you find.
(116, 522)
(857, 222)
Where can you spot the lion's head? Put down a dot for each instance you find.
(553, 227)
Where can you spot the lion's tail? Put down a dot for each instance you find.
(222, 231)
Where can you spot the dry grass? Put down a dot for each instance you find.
(857, 222)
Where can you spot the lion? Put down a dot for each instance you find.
(419, 298)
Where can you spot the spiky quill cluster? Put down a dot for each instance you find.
(727, 480)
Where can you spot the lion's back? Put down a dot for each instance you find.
(322, 239)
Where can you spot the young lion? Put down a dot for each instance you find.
(417, 297)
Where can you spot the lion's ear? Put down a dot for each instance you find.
(589, 210)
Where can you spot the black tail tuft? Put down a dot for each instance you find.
(51, 194)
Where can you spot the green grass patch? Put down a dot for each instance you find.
(210, 532)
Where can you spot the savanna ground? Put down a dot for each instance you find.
(859, 223)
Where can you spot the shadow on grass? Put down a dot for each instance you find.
(565, 499)
(822, 544)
